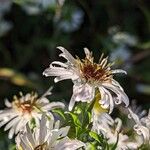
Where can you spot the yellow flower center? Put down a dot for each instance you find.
(25, 106)
(93, 72)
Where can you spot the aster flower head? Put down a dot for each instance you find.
(113, 132)
(88, 76)
(47, 137)
(24, 109)
(142, 126)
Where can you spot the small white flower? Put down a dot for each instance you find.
(47, 137)
(111, 129)
(141, 126)
(87, 77)
(24, 109)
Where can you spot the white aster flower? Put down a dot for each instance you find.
(87, 77)
(47, 137)
(111, 129)
(24, 109)
(141, 127)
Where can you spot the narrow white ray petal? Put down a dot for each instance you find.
(7, 119)
(43, 130)
(3, 122)
(146, 134)
(103, 62)
(58, 63)
(43, 100)
(56, 72)
(55, 136)
(103, 95)
(5, 113)
(64, 77)
(25, 143)
(87, 53)
(57, 124)
(67, 144)
(37, 121)
(36, 135)
(26, 97)
(53, 105)
(134, 116)
(111, 102)
(115, 83)
(63, 131)
(66, 54)
(11, 133)
(121, 95)
(47, 93)
(118, 71)
(30, 136)
(21, 124)
(71, 103)
(50, 124)
(11, 123)
(7, 103)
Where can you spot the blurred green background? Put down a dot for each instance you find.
(30, 31)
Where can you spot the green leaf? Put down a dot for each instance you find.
(95, 136)
(60, 112)
(75, 119)
(91, 146)
(12, 147)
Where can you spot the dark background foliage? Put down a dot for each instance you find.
(35, 30)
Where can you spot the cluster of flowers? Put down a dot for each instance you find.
(31, 118)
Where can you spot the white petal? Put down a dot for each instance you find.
(11, 133)
(30, 136)
(118, 71)
(65, 77)
(57, 124)
(115, 83)
(110, 99)
(53, 105)
(21, 124)
(7, 103)
(88, 54)
(120, 94)
(25, 143)
(66, 55)
(83, 93)
(67, 144)
(12, 123)
(71, 103)
(43, 130)
(58, 63)
(56, 72)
